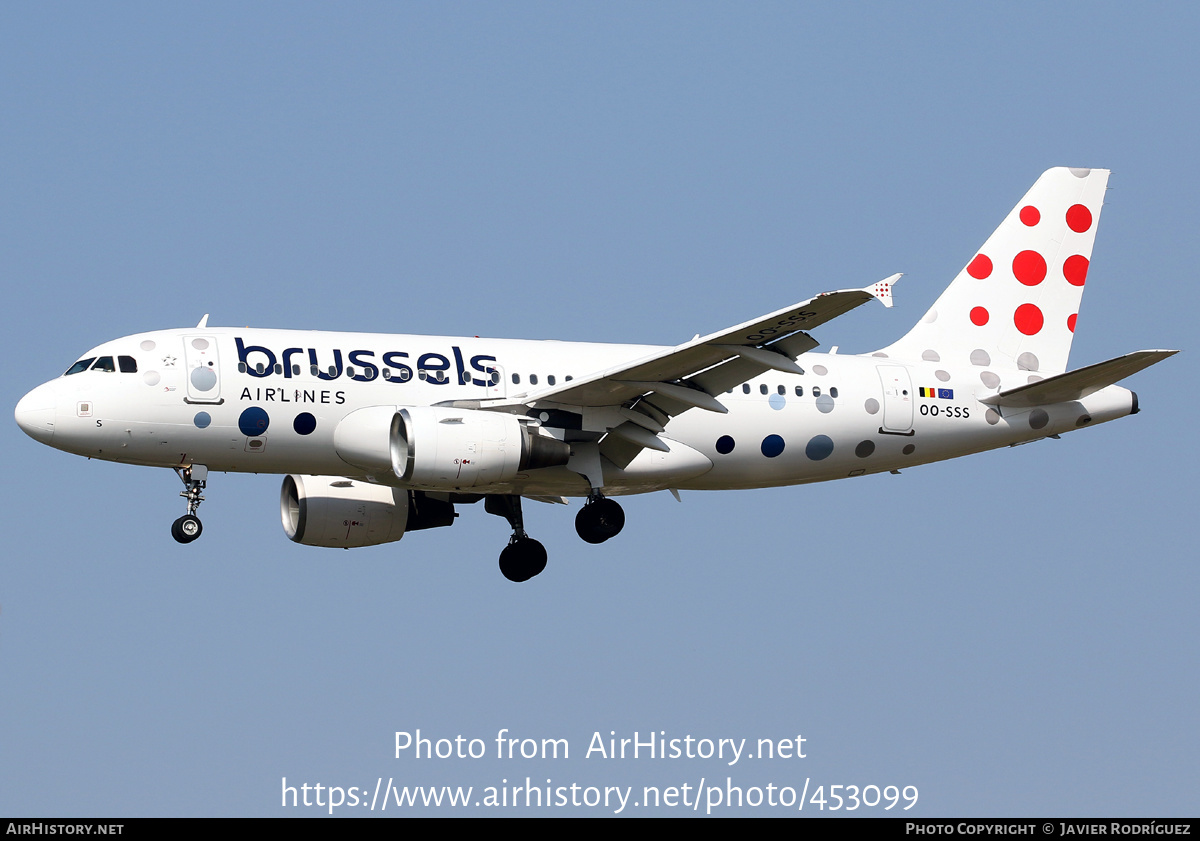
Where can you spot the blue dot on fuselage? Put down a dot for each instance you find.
(725, 445)
(819, 447)
(776, 401)
(202, 420)
(304, 423)
(772, 446)
(254, 421)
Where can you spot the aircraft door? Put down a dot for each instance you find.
(897, 400)
(202, 368)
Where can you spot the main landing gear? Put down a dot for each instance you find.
(188, 527)
(523, 557)
(599, 519)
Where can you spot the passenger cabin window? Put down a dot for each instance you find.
(762, 388)
(128, 364)
(833, 392)
(81, 365)
(104, 363)
(799, 391)
(533, 379)
(782, 389)
(745, 388)
(550, 379)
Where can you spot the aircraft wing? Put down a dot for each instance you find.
(705, 364)
(645, 393)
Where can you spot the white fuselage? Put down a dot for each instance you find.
(268, 401)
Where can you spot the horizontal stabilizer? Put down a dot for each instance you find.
(1075, 385)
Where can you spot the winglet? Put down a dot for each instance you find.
(203, 322)
(883, 289)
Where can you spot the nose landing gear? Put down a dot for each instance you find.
(188, 527)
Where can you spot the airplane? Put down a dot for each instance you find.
(378, 435)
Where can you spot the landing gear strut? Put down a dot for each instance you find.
(188, 527)
(599, 519)
(523, 557)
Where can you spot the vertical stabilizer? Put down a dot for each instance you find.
(1014, 304)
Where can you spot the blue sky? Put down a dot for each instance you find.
(1014, 633)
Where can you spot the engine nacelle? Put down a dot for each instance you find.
(454, 449)
(345, 513)
(331, 511)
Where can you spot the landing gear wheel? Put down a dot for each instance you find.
(522, 559)
(599, 520)
(187, 528)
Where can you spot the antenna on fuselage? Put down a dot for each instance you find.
(203, 322)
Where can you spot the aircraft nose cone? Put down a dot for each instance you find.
(35, 413)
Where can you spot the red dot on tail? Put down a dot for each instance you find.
(1071, 321)
(1030, 215)
(979, 316)
(1079, 218)
(1029, 319)
(1029, 267)
(1075, 269)
(980, 267)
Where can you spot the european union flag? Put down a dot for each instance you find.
(946, 393)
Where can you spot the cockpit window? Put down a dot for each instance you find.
(81, 365)
(104, 363)
(128, 364)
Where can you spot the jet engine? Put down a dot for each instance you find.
(441, 448)
(456, 448)
(445, 449)
(336, 512)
